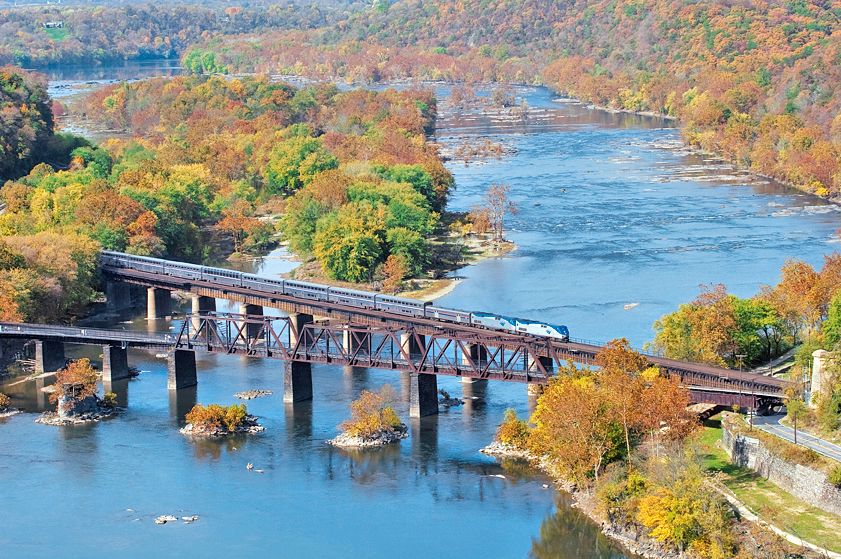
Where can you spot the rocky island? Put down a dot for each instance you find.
(219, 421)
(373, 422)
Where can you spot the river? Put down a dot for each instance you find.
(613, 212)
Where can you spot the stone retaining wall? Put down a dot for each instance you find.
(803, 482)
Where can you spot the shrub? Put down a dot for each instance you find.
(834, 476)
(110, 399)
(215, 417)
(688, 515)
(371, 414)
(5, 401)
(513, 430)
(619, 494)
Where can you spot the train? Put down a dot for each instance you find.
(329, 294)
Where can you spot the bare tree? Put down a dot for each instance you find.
(499, 206)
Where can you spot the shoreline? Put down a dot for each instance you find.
(633, 541)
(632, 538)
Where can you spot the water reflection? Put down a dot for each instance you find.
(423, 433)
(120, 388)
(299, 417)
(370, 466)
(566, 534)
(355, 380)
(474, 395)
(212, 449)
(181, 402)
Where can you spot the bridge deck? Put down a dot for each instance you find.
(558, 351)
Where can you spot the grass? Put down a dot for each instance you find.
(767, 500)
(57, 33)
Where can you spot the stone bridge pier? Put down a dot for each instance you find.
(114, 363)
(49, 356)
(478, 355)
(158, 303)
(181, 369)
(200, 306)
(423, 394)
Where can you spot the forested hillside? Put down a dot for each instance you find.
(754, 81)
(208, 161)
(108, 33)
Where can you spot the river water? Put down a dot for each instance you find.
(612, 212)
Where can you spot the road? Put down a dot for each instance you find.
(771, 424)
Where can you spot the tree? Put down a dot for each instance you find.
(513, 431)
(395, 270)
(574, 426)
(498, 206)
(238, 222)
(372, 413)
(349, 243)
(294, 163)
(79, 378)
(831, 327)
(622, 384)
(795, 407)
(480, 220)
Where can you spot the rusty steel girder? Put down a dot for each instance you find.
(384, 347)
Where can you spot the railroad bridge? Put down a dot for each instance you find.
(318, 331)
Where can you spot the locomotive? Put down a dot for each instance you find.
(336, 295)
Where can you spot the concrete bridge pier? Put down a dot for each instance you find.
(118, 387)
(118, 296)
(297, 381)
(181, 369)
(251, 329)
(201, 306)
(479, 355)
(49, 356)
(353, 341)
(413, 344)
(158, 303)
(423, 395)
(297, 321)
(114, 363)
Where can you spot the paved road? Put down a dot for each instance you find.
(771, 424)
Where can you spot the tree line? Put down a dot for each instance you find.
(95, 34)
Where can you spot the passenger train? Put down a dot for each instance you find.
(336, 295)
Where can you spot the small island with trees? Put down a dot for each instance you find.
(373, 421)
(215, 420)
(74, 395)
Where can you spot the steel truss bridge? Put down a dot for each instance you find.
(476, 354)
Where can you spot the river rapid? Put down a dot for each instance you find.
(618, 224)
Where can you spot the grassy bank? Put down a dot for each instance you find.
(768, 501)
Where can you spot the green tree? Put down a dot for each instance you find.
(831, 327)
(349, 243)
(294, 162)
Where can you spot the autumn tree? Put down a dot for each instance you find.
(76, 381)
(619, 377)
(372, 413)
(480, 220)
(394, 271)
(498, 205)
(575, 426)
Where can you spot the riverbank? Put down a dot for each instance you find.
(811, 525)
(472, 250)
(584, 500)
